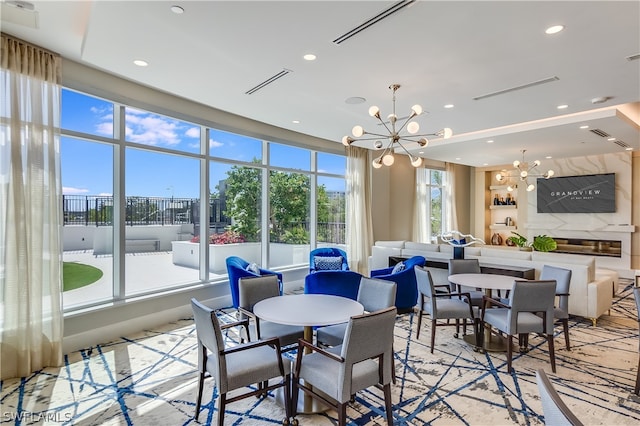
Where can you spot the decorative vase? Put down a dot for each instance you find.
(496, 239)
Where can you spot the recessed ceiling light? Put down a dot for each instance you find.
(628, 148)
(420, 152)
(296, 121)
(458, 158)
(140, 63)
(611, 139)
(490, 141)
(449, 106)
(177, 10)
(584, 127)
(309, 57)
(563, 106)
(355, 100)
(548, 157)
(485, 164)
(554, 29)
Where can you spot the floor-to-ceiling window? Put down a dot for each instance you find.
(431, 211)
(141, 189)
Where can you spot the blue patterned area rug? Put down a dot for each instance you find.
(151, 379)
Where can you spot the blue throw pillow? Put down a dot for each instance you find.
(328, 263)
(400, 266)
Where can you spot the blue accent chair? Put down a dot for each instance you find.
(329, 252)
(337, 283)
(236, 269)
(407, 287)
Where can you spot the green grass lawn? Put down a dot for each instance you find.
(76, 275)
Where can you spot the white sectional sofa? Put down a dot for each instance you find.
(591, 290)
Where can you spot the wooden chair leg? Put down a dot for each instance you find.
(287, 396)
(294, 396)
(552, 354)
(509, 353)
(221, 407)
(419, 323)
(565, 327)
(199, 400)
(433, 333)
(387, 404)
(342, 414)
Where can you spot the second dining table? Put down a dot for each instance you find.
(487, 282)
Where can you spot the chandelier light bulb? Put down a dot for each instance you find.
(392, 118)
(377, 144)
(550, 173)
(499, 177)
(531, 187)
(510, 188)
(388, 159)
(536, 163)
(377, 163)
(447, 133)
(417, 109)
(423, 142)
(413, 127)
(515, 163)
(374, 111)
(416, 162)
(346, 140)
(357, 131)
(524, 174)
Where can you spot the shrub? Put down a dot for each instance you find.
(227, 237)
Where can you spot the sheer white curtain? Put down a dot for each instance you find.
(359, 222)
(30, 210)
(421, 209)
(450, 219)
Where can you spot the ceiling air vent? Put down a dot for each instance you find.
(600, 133)
(633, 57)
(513, 89)
(268, 81)
(621, 143)
(379, 17)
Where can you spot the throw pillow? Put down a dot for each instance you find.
(328, 263)
(398, 268)
(253, 267)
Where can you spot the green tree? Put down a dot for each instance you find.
(243, 201)
(289, 212)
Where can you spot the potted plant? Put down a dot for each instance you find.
(544, 243)
(520, 241)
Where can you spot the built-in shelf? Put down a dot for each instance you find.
(500, 207)
(502, 228)
(498, 187)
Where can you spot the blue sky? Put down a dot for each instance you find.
(87, 168)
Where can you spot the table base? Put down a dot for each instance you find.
(492, 342)
(305, 405)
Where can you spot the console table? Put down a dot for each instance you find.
(485, 268)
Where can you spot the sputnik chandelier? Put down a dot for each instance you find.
(395, 135)
(523, 171)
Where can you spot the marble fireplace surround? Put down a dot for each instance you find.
(592, 226)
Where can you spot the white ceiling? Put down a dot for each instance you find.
(441, 53)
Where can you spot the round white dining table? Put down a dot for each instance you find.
(308, 310)
(487, 282)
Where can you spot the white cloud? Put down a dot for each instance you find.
(192, 132)
(66, 190)
(215, 144)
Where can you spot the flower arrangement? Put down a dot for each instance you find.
(227, 237)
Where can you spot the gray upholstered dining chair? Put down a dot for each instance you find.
(251, 290)
(374, 295)
(561, 310)
(365, 359)
(556, 412)
(466, 266)
(530, 310)
(636, 295)
(238, 366)
(443, 306)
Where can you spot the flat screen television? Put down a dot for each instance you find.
(577, 194)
